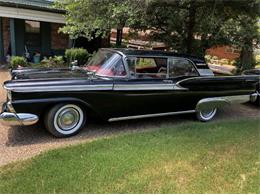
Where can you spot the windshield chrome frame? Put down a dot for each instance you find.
(119, 56)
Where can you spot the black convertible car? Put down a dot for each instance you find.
(120, 84)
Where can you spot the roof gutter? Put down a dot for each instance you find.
(32, 7)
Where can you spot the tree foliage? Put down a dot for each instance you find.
(189, 26)
(93, 18)
(211, 21)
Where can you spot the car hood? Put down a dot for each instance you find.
(40, 80)
(47, 73)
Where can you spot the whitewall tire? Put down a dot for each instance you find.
(65, 120)
(206, 114)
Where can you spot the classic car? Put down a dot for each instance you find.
(120, 84)
(256, 72)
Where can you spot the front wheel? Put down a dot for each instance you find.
(65, 120)
(206, 114)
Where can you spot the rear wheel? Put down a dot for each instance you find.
(206, 114)
(65, 120)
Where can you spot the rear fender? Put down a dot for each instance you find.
(221, 83)
(218, 102)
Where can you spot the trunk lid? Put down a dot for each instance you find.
(47, 73)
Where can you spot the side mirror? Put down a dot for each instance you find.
(74, 63)
(75, 67)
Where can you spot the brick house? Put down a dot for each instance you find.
(31, 26)
(141, 41)
(227, 52)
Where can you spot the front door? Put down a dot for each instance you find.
(147, 91)
(152, 87)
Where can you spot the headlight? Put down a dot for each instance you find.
(9, 95)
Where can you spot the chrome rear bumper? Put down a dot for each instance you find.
(13, 119)
(254, 97)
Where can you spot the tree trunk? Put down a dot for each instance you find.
(190, 27)
(119, 35)
(246, 58)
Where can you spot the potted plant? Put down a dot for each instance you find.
(37, 57)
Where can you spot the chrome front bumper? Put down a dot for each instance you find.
(9, 117)
(13, 119)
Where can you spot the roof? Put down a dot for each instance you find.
(41, 5)
(158, 53)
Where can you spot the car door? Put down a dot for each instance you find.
(182, 98)
(146, 90)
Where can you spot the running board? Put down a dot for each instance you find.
(150, 115)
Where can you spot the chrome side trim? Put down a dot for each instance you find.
(201, 64)
(150, 115)
(10, 107)
(217, 102)
(135, 87)
(178, 87)
(205, 72)
(212, 77)
(238, 99)
(60, 88)
(12, 119)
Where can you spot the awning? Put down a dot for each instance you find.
(28, 14)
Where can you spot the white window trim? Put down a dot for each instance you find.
(28, 14)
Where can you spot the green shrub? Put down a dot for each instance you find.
(56, 61)
(79, 54)
(123, 45)
(224, 61)
(233, 62)
(257, 58)
(208, 58)
(17, 61)
(214, 58)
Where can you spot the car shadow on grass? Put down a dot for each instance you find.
(37, 134)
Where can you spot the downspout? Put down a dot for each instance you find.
(12, 36)
(1, 41)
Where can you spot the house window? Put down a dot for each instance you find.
(32, 34)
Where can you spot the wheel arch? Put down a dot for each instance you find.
(84, 105)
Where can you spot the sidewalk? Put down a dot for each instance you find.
(3, 66)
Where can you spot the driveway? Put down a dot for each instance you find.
(18, 143)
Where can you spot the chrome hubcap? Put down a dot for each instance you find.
(68, 119)
(207, 112)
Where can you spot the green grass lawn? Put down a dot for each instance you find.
(216, 157)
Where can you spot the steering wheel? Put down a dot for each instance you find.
(162, 70)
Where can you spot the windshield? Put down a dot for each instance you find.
(106, 63)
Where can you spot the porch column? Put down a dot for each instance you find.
(12, 36)
(1, 41)
(70, 43)
(45, 38)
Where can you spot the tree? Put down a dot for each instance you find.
(187, 26)
(191, 26)
(232, 23)
(91, 18)
(174, 22)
